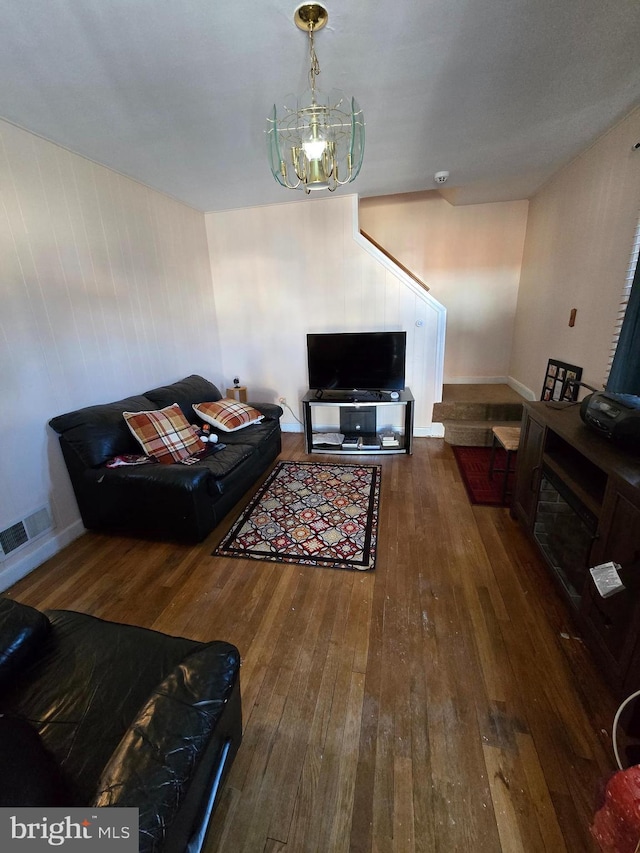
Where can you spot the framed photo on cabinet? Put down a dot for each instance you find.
(561, 381)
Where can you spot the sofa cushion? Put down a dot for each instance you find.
(22, 631)
(142, 482)
(164, 434)
(228, 415)
(30, 775)
(192, 389)
(220, 465)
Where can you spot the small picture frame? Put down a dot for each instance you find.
(561, 381)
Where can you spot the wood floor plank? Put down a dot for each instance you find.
(439, 704)
(548, 825)
(345, 780)
(499, 770)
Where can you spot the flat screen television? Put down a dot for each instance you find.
(363, 361)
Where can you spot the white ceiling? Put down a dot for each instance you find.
(175, 93)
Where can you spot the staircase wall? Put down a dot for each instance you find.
(470, 256)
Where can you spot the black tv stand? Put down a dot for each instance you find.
(333, 401)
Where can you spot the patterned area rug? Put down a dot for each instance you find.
(473, 464)
(313, 514)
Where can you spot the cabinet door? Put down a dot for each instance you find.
(613, 622)
(529, 464)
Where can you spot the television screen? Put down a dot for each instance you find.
(366, 361)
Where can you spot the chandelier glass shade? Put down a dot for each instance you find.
(316, 142)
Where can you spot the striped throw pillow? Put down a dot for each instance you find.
(228, 415)
(165, 434)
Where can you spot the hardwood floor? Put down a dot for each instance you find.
(442, 702)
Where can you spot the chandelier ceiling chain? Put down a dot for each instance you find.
(320, 138)
(314, 67)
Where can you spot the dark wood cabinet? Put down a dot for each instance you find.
(614, 621)
(579, 498)
(529, 466)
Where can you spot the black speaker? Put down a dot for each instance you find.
(361, 420)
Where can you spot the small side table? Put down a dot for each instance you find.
(238, 393)
(509, 438)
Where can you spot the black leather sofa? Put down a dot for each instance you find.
(177, 501)
(95, 713)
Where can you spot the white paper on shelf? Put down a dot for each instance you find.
(328, 438)
(606, 578)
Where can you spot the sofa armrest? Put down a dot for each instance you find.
(161, 753)
(22, 630)
(269, 410)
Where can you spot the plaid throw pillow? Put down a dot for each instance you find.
(228, 415)
(164, 434)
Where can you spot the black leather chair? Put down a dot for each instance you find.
(115, 715)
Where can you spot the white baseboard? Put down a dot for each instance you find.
(525, 392)
(478, 380)
(47, 548)
(434, 431)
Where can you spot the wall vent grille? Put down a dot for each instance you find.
(24, 531)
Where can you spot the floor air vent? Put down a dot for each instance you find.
(24, 531)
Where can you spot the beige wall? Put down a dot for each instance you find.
(470, 257)
(105, 291)
(283, 270)
(577, 249)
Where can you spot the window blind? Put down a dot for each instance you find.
(624, 298)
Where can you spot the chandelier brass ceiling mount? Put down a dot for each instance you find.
(309, 16)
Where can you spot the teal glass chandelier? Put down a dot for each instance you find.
(316, 142)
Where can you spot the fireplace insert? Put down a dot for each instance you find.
(565, 530)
